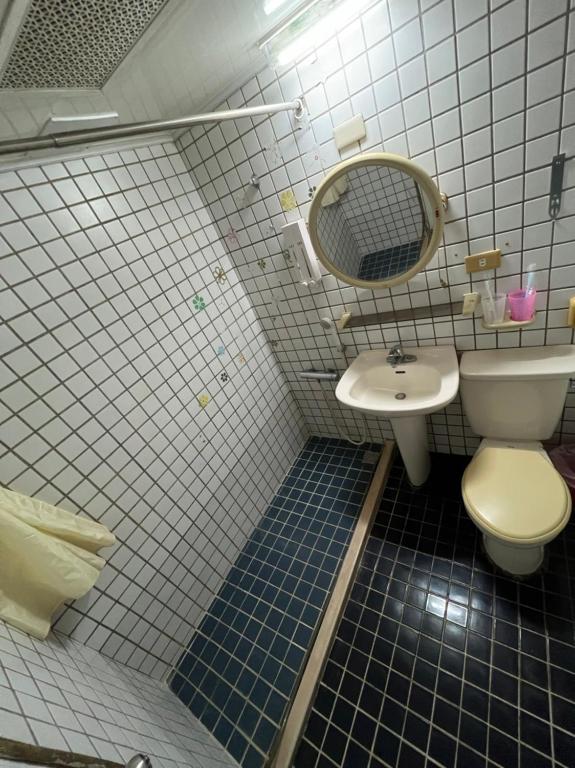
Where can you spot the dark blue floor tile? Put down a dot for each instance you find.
(442, 748)
(355, 756)
(386, 746)
(416, 731)
(564, 746)
(502, 750)
(463, 665)
(241, 666)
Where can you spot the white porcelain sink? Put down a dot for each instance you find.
(403, 393)
(372, 385)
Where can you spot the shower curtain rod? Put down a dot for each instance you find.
(89, 135)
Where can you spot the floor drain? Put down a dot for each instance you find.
(400, 396)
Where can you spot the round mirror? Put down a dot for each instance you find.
(376, 220)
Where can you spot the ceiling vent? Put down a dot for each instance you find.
(75, 44)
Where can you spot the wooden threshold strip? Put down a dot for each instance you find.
(291, 733)
(46, 756)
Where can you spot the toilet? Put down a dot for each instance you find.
(513, 399)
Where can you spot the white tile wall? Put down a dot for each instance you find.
(121, 314)
(482, 98)
(62, 695)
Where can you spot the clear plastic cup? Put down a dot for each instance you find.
(494, 313)
(522, 304)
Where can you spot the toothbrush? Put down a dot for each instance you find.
(530, 278)
(490, 297)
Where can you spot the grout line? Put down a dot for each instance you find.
(284, 752)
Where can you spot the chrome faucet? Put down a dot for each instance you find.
(396, 357)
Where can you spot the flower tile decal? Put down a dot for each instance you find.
(241, 359)
(287, 256)
(262, 264)
(203, 400)
(199, 303)
(224, 377)
(220, 275)
(287, 200)
(232, 238)
(311, 192)
(274, 343)
(220, 350)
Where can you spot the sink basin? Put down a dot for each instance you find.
(372, 385)
(404, 394)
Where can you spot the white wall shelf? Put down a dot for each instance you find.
(508, 325)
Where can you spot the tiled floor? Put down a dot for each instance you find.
(60, 694)
(242, 664)
(438, 659)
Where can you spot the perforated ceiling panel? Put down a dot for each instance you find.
(75, 44)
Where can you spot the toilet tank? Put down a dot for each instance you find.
(516, 394)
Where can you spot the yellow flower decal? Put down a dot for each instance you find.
(203, 400)
(287, 200)
(241, 359)
(220, 275)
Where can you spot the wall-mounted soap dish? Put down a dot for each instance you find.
(508, 325)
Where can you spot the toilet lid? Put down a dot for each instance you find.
(516, 493)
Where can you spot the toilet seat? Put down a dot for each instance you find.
(514, 493)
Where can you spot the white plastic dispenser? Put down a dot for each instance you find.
(298, 244)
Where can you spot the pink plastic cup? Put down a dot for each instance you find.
(522, 304)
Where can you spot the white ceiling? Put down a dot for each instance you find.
(192, 55)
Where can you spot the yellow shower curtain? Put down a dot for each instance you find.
(47, 556)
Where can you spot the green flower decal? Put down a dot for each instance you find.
(262, 264)
(198, 303)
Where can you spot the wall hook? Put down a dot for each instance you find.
(556, 190)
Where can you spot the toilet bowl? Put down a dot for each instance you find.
(518, 500)
(513, 398)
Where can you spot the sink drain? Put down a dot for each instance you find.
(400, 396)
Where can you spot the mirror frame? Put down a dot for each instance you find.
(400, 163)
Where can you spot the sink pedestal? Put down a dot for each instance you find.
(411, 437)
